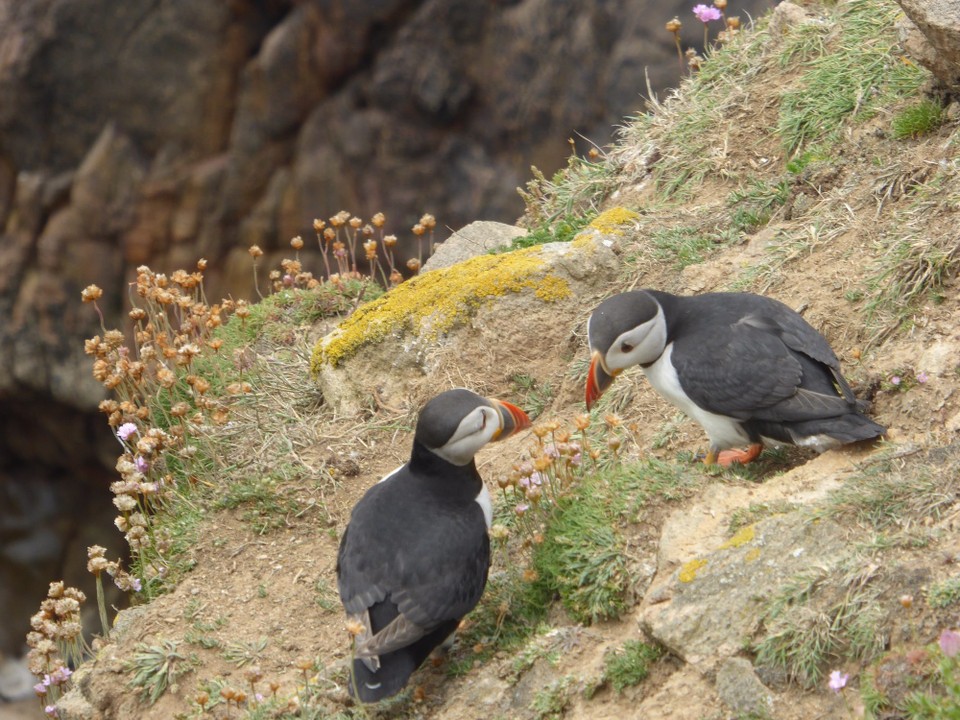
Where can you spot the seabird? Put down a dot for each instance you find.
(415, 555)
(746, 367)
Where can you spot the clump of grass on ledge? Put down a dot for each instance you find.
(557, 209)
(917, 120)
(630, 664)
(821, 617)
(893, 493)
(853, 77)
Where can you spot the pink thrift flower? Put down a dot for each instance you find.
(706, 13)
(838, 681)
(51, 711)
(950, 643)
(922, 377)
(41, 688)
(895, 380)
(126, 430)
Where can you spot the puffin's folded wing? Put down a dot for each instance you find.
(736, 371)
(399, 633)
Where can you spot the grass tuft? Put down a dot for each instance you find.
(917, 120)
(630, 664)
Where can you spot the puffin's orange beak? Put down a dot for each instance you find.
(513, 419)
(597, 380)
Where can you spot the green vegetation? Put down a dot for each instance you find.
(551, 702)
(630, 664)
(534, 396)
(891, 494)
(853, 76)
(754, 205)
(156, 667)
(944, 594)
(917, 120)
(820, 617)
(582, 557)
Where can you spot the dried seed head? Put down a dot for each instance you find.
(418, 229)
(91, 293)
(733, 22)
(378, 220)
(720, 4)
(355, 222)
(255, 251)
(428, 221)
(296, 243)
(413, 264)
(674, 25)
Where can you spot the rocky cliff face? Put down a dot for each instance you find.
(158, 133)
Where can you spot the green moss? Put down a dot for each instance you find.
(431, 304)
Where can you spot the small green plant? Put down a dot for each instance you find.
(157, 667)
(630, 664)
(754, 205)
(682, 245)
(240, 653)
(536, 396)
(902, 380)
(917, 120)
(944, 594)
(819, 617)
(267, 506)
(551, 702)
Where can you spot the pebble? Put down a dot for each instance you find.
(16, 682)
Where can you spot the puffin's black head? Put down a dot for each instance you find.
(625, 330)
(457, 423)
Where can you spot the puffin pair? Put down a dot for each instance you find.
(415, 555)
(747, 368)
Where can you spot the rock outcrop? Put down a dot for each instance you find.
(937, 44)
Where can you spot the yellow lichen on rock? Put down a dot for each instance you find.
(741, 537)
(552, 288)
(612, 221)
(430, 304)
(688, 572)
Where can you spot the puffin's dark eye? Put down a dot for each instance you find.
(626, 347)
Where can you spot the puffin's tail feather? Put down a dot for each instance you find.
(395, 669)
(821, 434)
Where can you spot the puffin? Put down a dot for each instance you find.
(746, 367)
(416, 552)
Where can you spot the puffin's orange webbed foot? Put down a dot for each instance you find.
(729, 457)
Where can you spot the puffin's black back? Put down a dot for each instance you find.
(417, 543)
(754, 358)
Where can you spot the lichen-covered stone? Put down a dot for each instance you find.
(449, 318)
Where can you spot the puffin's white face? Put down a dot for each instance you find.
(478, 427)
(638, 346)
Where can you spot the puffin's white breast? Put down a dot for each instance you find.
(724, 432)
